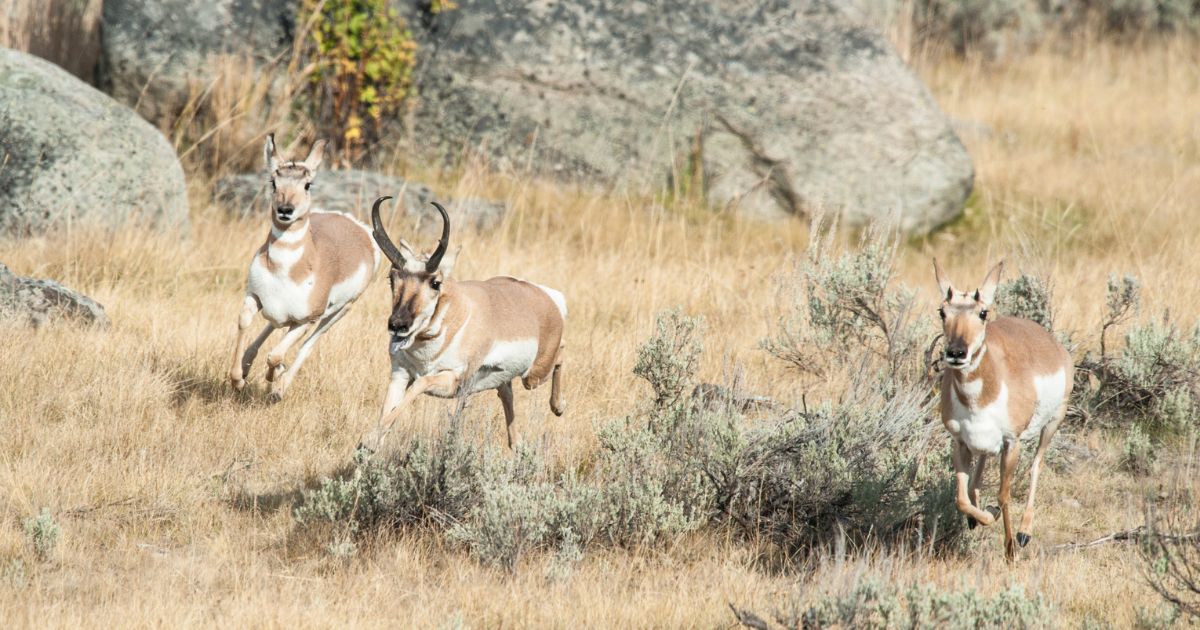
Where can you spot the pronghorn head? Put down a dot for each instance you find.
(290, 181)
(965, 316)
(416, 280)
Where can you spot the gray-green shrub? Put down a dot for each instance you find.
(1028, 297)
(875, 605)
(42, 532)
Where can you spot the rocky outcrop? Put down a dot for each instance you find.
(42, 301)
(68, 152)
(155, 51)
(776, 105)
(352, 192)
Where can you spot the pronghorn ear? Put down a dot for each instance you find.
(270, 160)
(944, 287)
(987, 291)
(447, 264)
(315, 156)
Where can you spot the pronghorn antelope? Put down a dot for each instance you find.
(450, 339)
(1006, 379)
(313, 265)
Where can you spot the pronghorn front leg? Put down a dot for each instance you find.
(976, 482)
(962, 475)
(444, 383)
(1010, 456)
(237, 375)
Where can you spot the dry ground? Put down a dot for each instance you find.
(173, 493)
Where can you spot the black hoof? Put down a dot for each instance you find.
(1023, 538)
(972, 523)
(994, 511)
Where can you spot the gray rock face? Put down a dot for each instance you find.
(791, 105)
(69, 152)
(353, 192)
(40, 301)
(154, 48)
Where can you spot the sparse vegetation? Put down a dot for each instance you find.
(42, 532)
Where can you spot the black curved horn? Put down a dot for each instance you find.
(381, 237)
(436, 258)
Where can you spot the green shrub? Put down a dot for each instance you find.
(1170, 551)
(871, 604)
(1027, 297)
(668, 360)
(1138, 454)
(362, 57)
(42, 532)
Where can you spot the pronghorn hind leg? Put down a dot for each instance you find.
(283, 381)
(557, 404)
(275, 366)
(962, 465)
(1010, 456)
(505, 392)
(237, 373)
(974, 487)
(1025, 534)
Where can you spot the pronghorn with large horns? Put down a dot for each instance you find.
(312, 267)
(450, 339)
(1006, 379)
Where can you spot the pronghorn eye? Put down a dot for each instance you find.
(306, 185)
(272, 185)
(983, 315)
(435, 284)
(942, 313)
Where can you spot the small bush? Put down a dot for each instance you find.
(668, 360)
(1170, 550)
(841, 312)
(42, 532)
(1027, 297)
(362, 57)
(1138, 455)
(871, 604)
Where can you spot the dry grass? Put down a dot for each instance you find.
(66, 32)
(173, 493)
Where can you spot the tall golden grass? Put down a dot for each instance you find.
(66, 32)
(173, 494)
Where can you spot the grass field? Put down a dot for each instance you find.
(173, 494)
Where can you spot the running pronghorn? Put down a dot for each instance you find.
(1006, 379)
(312, 267)
(450, 339)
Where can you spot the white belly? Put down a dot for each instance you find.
(505, 361)
(982, 429)
(1050, 390)
(283, 300)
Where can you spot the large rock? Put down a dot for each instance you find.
(156, 51)
(353, 192)
(69, 152)
(41, 301)
(791, 105)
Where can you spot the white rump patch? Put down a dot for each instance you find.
(559, 299)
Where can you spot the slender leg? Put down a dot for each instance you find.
(275, 366)
(236, 374)
(557, 404)
(444, 383)
(976, 483)
(505, 392)
(962, 464)
(395, 392)
(282, 382)
(252, 350)
(1010, 456)
(1025, 534)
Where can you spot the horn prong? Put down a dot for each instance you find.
(436, 258)
(381, 236)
